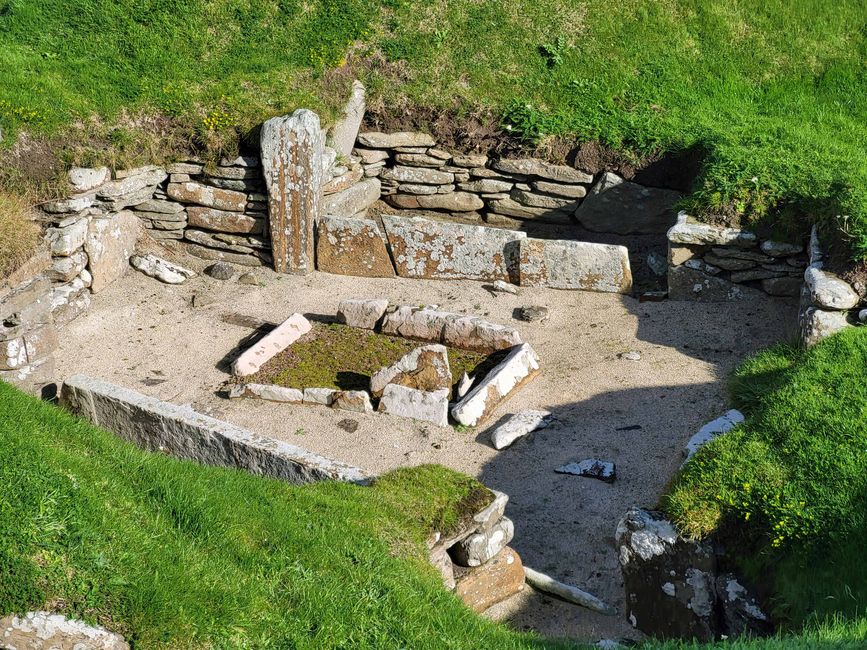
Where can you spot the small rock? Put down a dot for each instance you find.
(591, 468)
(862, 316)
(466, 383)
(352, 400)
(477, 549)
(348, 425)
(657, 263)
(828, 291)
(202, 299)
(158, 268)
(519, 425)
(248, 278)
(501, 286)
(533, 314)
(323, 396)
(632, 355)
(220, 271)
(83, 179)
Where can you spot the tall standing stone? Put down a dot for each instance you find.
(292, 165)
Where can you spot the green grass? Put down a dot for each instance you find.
(771, 93)
(344, 358)
(788, 488)
(176, 555)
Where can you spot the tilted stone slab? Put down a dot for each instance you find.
(425, 369)
(365, 314)
(685, 283)
(422, 248)
(183, 433)
(426, 406)
(520, 366)
(518, 426)
(619, 206)
(48, 631)
(687, 231)
(109, 245)
(348, 246)
(563, 264)
(457, 330)
(829, 291)
(210, 197)
(292, 166)
(414, 323)
(272, 344)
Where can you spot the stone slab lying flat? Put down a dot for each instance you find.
(180, 431)
(427, 406)
(571, 593)
(521, 365)
(109, 245)
(348, 246)
(712, 429)
(273, 343)
(162, 270)
(458, 330)
(519, 425)
(422, 248)
(268, 392)
(493, 582)
(364, 314)
(564, 264)
(425, 369)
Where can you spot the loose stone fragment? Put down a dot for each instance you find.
(480, 547)
(376, 140)
(828, 291)
(273, 343)
(424, 369)
(518, 426)
(564, 264)
(632, 355)
(521, 365)
(268, 392)
(352, 400)
(818, 324)
(625, 208)
(220, 271)
(780, 249)
(292, 166)
(575, 595)
(493, 582)
(365, 314)
(693, 233)
(162, 270)
(422, 248)
(533, 313)
(344, 181)
(591, 468)
(348, 246)
(427, 406)
(504, 287)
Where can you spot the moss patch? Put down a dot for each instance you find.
(344, 358)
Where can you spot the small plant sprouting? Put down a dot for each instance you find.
(300, 432)
(463, 428)
(553, 52)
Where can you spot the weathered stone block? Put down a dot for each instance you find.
(268, 392)
(692, 233)
(365, 314)
(376, 140)
(352, 400)
(424, 369)
(474, 333)
(347, 246)
(109, 245)
(481, 547)
(210, 197)
(271, 344)
(292, 165)
(402, 174)
(47, 631)
(493, 582)
(65, 241)
(542, 169)
(563, 264)
(426, 406)
(83, 179)
(828, 291)
(431, 249)
(224, 221)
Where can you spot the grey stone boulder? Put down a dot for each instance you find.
(161, 269)
(83, 179)
(619, 206)
(817, 324)
(669, 580)
(828, 291)
(221, 271)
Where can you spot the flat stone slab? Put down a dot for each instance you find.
(685, 283)
(619, 206)
(205, 195)
(183, 433)
(47, 631)
(542, 169)
(377, 140)
(427, 406)
(422, 248)
(364, 314)
(273, 343)
(563, 264)
(162, 270)
(458, 330)
(493, 582)
(692, 233)
(591, 468)
(268, 392)
(480, 547)
(521, 365)
(712, 429)
(518, 426)
(347, 246)
(423, 369)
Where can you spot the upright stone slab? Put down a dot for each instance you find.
(563, 264)
(109, 245)
(347, 246)
(345, 130)
(292, 166)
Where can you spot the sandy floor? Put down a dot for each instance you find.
(147, 336)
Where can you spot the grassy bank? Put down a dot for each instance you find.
(174, 555)
(769, 96)
(19, 235)
(788, 488)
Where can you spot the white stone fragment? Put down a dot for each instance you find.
(162, 270)
(712, 429)
(421, 405)
(47, 631)
(273, 343)
(323, 396)
(518, 426)
(573, 594)
(480, 547)
(365, 314)
(268, 392)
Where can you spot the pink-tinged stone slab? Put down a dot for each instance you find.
(274, 342)
(564, 264)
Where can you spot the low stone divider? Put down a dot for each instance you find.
(160, 426)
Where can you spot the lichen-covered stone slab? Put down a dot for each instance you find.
(347, 246)
(47, 631)
(564, 264)
(292, 166)
(426, 406)
(352, 200)
(542, 169)
(521, 365)
(482, 546)
(210, 197)
(377, 140)
(345, 130)
(474, 333)
(109, 245)
(224, 221)
(273, 343)
(422, 248)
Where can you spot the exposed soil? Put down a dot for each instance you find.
(147, 336)
(341, 357)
